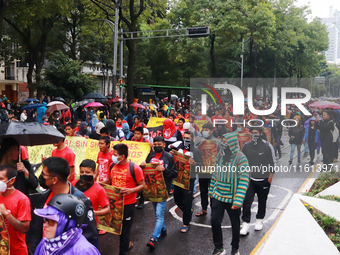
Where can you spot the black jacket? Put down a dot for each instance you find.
(23, 184)
(170, 171)
(298, 133)
(34, 234)
(325, 127)
(260, 155)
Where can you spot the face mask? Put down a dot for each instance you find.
(255, 138)
(42, 182)
(86, 178)
(187, 144)
(158, 149)
(115, 160)
(205, 134)
(146, 136)
(239, 129)
(3, 186)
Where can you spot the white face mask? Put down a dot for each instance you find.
(146, 136)
(3, 186)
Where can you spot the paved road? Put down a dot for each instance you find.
(199, 238)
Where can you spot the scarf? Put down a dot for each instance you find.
(62, 243)
(169, 129)
(84, 185)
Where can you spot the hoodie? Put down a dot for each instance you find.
(231, 186)
(41, 112)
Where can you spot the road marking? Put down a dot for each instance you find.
(275, 212)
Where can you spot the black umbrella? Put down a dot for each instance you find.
(30, 133)
(83, 102)
(58, 99)
(94, 96)
(32, 106)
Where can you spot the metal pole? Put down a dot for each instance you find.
(121, 60)
(115, 49)
(242, 63)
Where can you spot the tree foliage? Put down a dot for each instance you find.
(63, 77)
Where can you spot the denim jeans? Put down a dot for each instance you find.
(292, 150)
(306, 147)
(159, 208)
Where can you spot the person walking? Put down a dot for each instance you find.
(312, 137)
(295, 139)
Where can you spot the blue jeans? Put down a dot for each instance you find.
(292, 150)
(159, 208)
(306, 147)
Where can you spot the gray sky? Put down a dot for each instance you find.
(320, 8)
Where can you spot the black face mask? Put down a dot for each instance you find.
(86, 178)
(256, 138)
(42, 182)
(187, 144)
(158, 149)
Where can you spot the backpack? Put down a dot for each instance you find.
(335, 133)
(132, 171)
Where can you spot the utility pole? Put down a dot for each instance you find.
(121, 60)
(115, 49)
(242, 62)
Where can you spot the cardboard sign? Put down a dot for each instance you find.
(113, 222)
(183, 170)
(209, 152)
(155, 185)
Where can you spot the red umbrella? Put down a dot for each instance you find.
(94, 104)
(114, 100)
(138, 105)
(325, 104)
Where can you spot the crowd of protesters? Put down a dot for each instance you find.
(52, 219)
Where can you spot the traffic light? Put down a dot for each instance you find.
(121, 83)
(194, 32)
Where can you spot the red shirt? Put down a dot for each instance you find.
(121, 178)
(104, 161)
(143, 140)
(19, 206)
(157, 159)
(181, 130)
(120, 126)
(68, 154)
(97, 195)
(139, 125)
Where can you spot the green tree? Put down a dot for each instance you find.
(63, 77)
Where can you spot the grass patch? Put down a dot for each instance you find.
(330, 225)
(325, 180)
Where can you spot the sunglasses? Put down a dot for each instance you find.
(49, 222)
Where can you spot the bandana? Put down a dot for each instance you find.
(61, 244)
(169, 129)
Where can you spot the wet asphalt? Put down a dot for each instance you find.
(198, 240)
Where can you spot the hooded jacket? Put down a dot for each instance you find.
(231, 186)
(41, 112)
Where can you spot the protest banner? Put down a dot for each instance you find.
(156, 122)
(155, 185)
(200, 123)
(243, 138)
(113, 222)
(78, 145)
(183, 170)
(209, 152)
(268, 132)
(155, 131)
(4, 235)
(138, 151)
(37, 152)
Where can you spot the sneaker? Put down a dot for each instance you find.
(140, 204)
(219, 252)
(259, 224)
(234, 251)
(290, 162)
(163, 233)
(152, 243)
(311, 163)
(245, 229)
(299, 160)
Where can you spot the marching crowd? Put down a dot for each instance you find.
(63, 219)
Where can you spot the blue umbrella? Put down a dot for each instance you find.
(32, 106)
(32, 100)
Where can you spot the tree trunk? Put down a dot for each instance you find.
(212, 56)
(132, 46)
(3, 7)
(30, 73)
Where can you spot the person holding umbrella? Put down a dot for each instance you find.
(9, 155)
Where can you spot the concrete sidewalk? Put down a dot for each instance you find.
(297, 233)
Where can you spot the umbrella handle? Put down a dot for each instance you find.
(19, 154)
